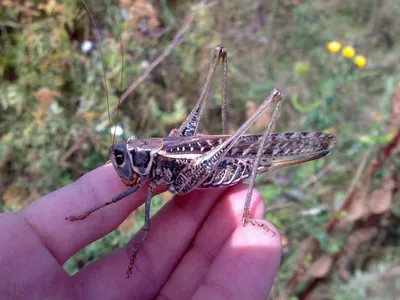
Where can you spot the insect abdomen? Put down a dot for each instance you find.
(228, 172)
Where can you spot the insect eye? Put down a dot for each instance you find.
(119, 157)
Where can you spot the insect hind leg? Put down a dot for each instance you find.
(255, 171)
(197, 171)
(189, 126)
(262, 225)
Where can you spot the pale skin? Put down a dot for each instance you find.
(197, 247)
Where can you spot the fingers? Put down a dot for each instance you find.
(213, 237)
(246, 264)
(245, 268)
(171, 233)
(170, 238)
(27, 269)
(62, 237)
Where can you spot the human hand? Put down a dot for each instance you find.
(196, 247)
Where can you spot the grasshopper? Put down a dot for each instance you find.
(187, 160)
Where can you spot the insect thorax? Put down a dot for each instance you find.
(141, 154)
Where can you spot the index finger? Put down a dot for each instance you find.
(62, 237)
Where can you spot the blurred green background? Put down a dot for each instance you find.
(339, 216)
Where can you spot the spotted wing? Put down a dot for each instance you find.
(280, 150)
(278, 145)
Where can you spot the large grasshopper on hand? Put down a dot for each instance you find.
(187, 160)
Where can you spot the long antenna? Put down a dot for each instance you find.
(121, 86)
(104, 67)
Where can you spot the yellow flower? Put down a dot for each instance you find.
(334, 46)
(348, 52)
(360, 61)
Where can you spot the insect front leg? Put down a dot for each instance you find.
(115, 199)
(189, 126)
(146, 229)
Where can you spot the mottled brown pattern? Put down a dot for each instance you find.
(236, 165)
(277, 145)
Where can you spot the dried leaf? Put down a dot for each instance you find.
(341, 267)
(360, 236)
(45, 96)
(380, 200)
(88, 116)
(320, 267)
(395, 118)
(143, 11)
(303, 250)
(358, 207)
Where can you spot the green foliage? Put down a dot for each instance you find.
(52, 99)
